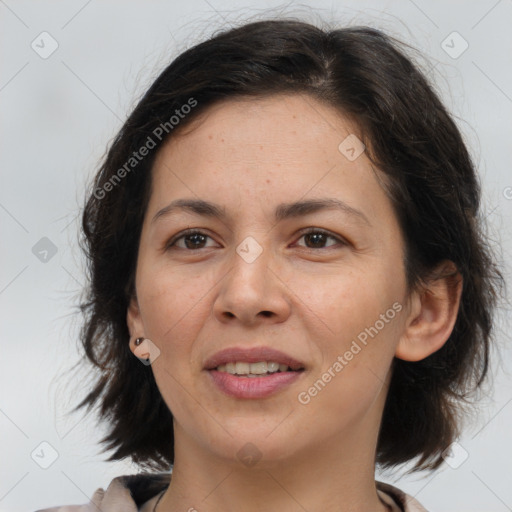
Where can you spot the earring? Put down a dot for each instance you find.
(142, 350)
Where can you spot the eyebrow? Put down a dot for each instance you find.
(283, 211)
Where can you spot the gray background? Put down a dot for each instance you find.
(57, 115)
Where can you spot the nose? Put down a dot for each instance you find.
(252, 291)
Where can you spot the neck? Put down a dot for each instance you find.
(333, 476)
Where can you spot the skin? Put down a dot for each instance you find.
(307, 298)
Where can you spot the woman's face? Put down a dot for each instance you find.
(251, 281)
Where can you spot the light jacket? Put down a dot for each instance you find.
(140, 492)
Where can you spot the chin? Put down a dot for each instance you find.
(255, 447)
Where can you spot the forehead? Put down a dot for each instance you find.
(291, 142)
(277, 120)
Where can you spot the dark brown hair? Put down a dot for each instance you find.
(410, 138)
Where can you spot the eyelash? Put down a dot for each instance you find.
(308, 231)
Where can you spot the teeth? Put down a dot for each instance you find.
(272, 367)
(252, 369)
(242, 368)
(258, 368)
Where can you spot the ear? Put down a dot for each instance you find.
(432, 315)
(134, 320)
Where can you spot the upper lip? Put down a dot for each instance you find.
(251, 355)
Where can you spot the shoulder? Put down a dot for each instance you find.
(394, 496)
(130, 491)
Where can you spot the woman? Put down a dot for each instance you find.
(285, 233)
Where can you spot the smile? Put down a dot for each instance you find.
(253, 369)
(252, 373)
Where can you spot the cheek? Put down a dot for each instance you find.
(361, 314)
(347, 301)
(172, 303)
(355, 360)
(174, 308)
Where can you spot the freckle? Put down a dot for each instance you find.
(261, 147)
(222, 140)
(210, 137)
(268, 181)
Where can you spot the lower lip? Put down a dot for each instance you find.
(253, 387)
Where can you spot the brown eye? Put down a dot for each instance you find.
(192, 240)
(316, 239)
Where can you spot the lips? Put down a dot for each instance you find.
(220, 368)
(252, 355)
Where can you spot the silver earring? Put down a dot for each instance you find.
(138, 341)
